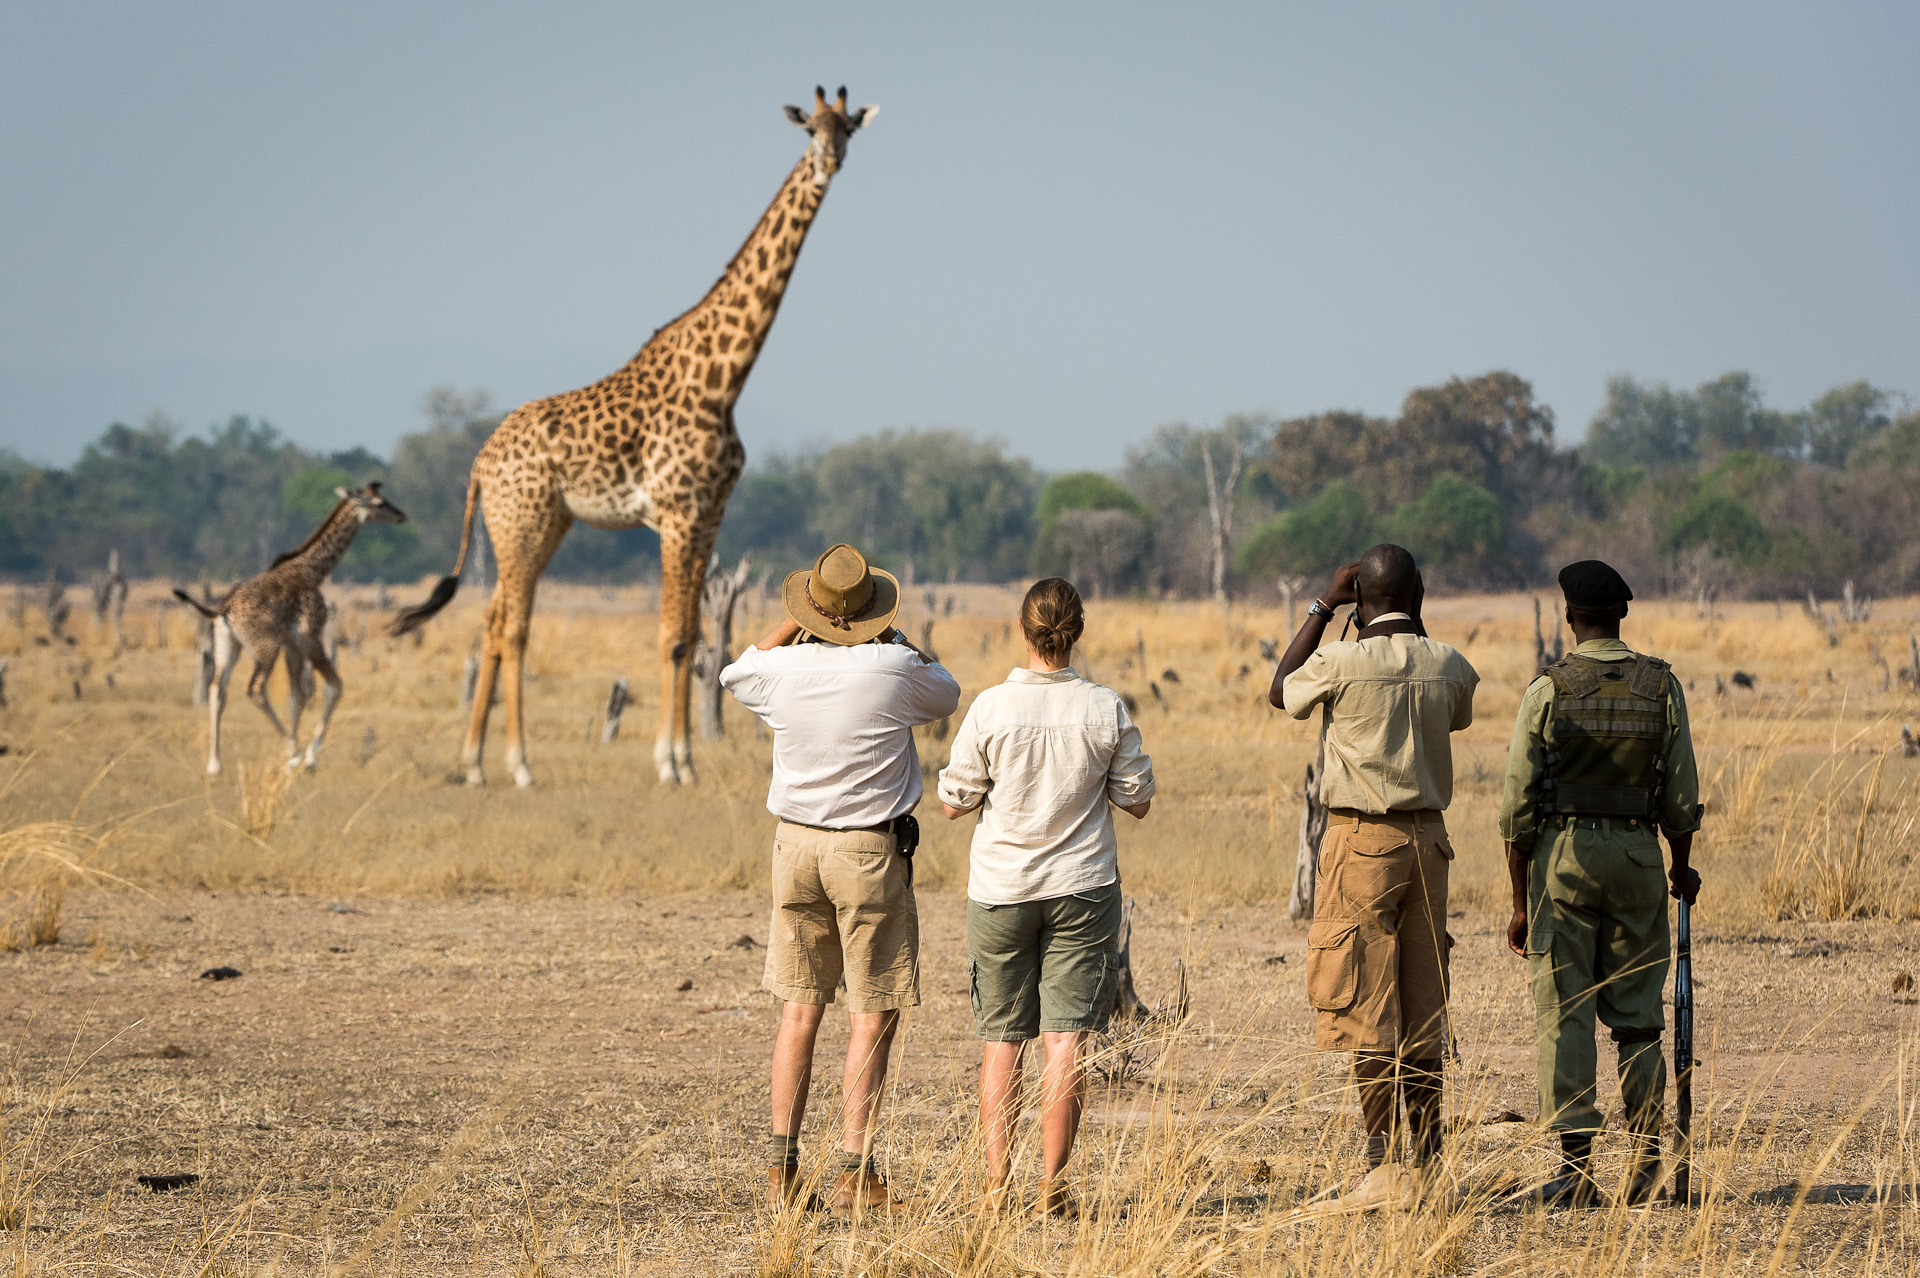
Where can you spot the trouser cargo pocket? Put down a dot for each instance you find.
(1332, 965)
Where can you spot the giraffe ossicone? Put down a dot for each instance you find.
(281, 613)
(651, 445)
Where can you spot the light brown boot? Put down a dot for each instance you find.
(1054, 1202)
(863, 1193)
(995, 1200)
(786, 1191)
(1388, 1187)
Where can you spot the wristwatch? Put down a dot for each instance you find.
(1318, 609)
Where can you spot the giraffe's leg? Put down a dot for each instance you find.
(299, 689)
(263, 659)
(316, 655)
(482, 699)
(226, 655)
(683, 572)
(525, 541)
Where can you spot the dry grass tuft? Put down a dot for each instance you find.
(264, 791)
(31, 918)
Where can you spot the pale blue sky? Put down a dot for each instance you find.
(1069, 224)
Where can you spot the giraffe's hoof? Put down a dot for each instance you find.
(293, 763)
(475, 777)
(213, 768)
(523, 776)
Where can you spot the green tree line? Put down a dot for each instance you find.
(1678, 487)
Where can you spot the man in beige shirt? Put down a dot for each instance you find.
(1377, 947)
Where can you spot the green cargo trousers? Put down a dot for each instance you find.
(1597, 943)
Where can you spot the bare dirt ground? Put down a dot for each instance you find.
(489, 1083)
(459, 1043)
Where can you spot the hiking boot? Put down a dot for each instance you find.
(1388, 1187)
(859, 1193)
(1644, 1184)
(1054, 1202)
(995, 1200)
(1573, 1187)
(786, 1191)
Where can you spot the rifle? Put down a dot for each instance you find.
(1683, 1061)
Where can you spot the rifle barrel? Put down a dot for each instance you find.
(1683, 1059)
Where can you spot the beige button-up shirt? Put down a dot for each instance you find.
(1391, 703)
(1042, 755)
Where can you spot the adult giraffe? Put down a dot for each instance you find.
(653, 444)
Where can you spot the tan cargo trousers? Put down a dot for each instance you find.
(1377, 947)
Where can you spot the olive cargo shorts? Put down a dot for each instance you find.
(1377, 947)
(1043, 967)
(1597, 944)
(842, 907)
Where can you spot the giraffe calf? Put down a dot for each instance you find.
(282, 613)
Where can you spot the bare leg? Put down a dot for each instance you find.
(226, 655)
(1375, 1076)
(1062, 1095)
(867, 1051)
(793, 1064)
(999, 1105)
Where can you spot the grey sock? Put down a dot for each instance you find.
(1376, 1151)
(785, 1150)
(854, 1162)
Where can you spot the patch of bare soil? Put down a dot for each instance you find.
(581, 1083)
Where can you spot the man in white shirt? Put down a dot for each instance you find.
(842, 691)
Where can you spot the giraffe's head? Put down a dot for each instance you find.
(830, 125)
(369, 505)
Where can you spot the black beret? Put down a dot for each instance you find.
(1591, 584)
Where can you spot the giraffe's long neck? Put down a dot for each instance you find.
(731, 323)
(319, 554)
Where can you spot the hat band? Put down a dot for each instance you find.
(837, 622)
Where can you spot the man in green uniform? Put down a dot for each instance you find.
(1601, 756)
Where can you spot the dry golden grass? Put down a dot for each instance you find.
(1197, 1152)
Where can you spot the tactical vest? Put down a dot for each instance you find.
(1609, 737)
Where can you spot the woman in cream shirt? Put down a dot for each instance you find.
(1044, 758)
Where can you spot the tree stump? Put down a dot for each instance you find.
(717, 601)
(1313, 829)
(616, 707)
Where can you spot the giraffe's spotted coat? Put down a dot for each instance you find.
(651, 445)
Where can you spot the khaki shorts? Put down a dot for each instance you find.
(843, 912)
(1043, 967)
(1377, 948)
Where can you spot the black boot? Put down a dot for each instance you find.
(1645, 1181)
(1574, 1186)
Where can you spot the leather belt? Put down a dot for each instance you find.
(1355, 815)
(885, 827)
(903, 829)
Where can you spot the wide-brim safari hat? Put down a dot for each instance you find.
(842, 599)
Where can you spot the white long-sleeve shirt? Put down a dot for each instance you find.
(842, 721)
(1042, 755)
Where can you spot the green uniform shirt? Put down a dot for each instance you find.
(1533, 739)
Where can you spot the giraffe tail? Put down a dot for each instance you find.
(411, 619)
(210, 614)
